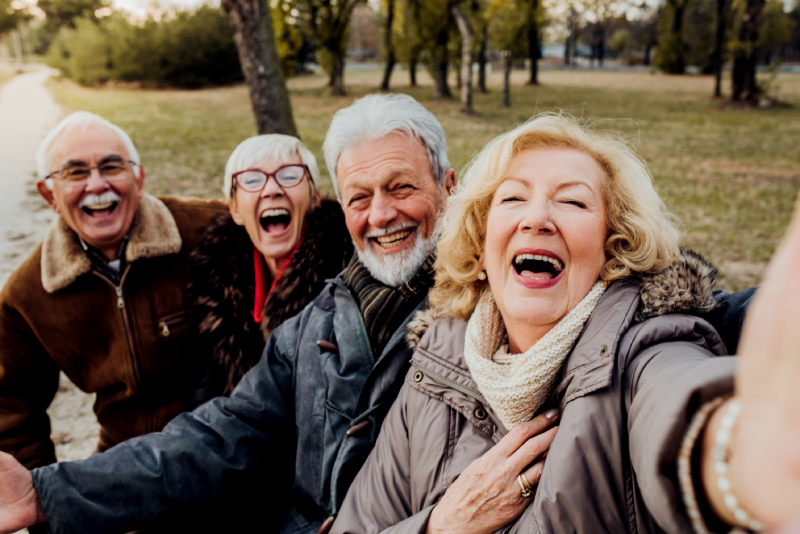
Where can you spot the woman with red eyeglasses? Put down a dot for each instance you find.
(264, 261)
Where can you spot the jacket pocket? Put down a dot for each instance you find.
(167, 323)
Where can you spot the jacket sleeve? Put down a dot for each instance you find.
(28, 383)
(380, 498)
(665, 385)
(198, 455)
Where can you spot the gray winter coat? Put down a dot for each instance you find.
(309, 411)
(627, 392)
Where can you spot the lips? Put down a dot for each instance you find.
(537, 268)
(275, 220)
(104, 204)
(393, 240)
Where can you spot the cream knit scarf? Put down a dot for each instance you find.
(516, 385)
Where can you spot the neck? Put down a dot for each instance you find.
(522, 337)
(276, 264)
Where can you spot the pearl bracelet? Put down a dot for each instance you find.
(720, 454)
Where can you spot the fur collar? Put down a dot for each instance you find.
(222, 287)
(153, 233)
(686, 286)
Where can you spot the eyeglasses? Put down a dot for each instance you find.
(254, 180)
(110, 171)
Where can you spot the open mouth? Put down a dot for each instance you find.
(99, 208)
(537, 267)
(275, 220)
(392, 240)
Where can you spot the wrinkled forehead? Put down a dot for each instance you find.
(382, 159)
(86, 144)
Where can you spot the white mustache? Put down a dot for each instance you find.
(108, 196)
(390, 230)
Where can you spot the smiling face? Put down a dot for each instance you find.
(100, 211)
(391, 204)
(545, 238)
(274, 217)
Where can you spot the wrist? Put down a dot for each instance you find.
(716, 454)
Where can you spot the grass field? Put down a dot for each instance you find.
(731, 175)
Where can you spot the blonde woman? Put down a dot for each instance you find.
(560, 285)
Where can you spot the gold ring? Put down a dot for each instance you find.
(527, 491)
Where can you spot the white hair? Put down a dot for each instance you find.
(260, 148)
(376, 116)
(81, 119)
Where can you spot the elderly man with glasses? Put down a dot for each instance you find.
(102, 298)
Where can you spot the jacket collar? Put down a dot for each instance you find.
(153, 233)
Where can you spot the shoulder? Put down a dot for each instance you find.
(315, 321)
(25, 282)
(191, 214)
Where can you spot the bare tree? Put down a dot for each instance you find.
(255, 42)
(744, 62)
(533, 41)
(466, 59)
(388, 46)
(719, 43)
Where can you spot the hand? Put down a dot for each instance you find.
(19, 504)
(487, 495)
(765, 446)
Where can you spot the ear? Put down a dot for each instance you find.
(140, 181)
(235, 212)
(47, 194)
(449, 183)
(481, 260)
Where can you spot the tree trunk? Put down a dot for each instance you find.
(601, 50)
(466, 60)
(533, 45)
(507, 81)
(569, 50)
(744, 63)
(440, 65)
(337, 72)
(252, 29)
(647, 48)
(482, 60)
(677, 31)
(412, 71)
(719, 42)
(389, 46)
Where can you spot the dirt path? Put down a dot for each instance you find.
(27, 112)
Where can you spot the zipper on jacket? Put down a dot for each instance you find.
(125, 324)
(164, 324)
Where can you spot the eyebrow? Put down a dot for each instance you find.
(81, 163)
(561, 186)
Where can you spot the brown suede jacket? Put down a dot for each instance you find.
(132, 344)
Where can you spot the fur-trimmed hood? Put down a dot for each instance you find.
(686, 286)
(153, 233)
(222, 289)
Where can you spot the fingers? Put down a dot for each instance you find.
(523, 432)
(534, 473)
(530, 450)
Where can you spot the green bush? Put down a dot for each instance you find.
(183, 49)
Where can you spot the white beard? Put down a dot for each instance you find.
(396, 269)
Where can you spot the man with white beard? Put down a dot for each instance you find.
(102, 298)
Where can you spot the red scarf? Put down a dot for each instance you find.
(262, 294)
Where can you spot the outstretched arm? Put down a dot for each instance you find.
(197, 455)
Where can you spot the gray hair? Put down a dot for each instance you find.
(260, 148)
(376, 116)
(81, 119)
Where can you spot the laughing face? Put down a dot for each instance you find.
(274, 216)
(545, 238)
(100, 210)
(391, 204)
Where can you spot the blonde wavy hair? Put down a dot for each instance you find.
(643, 237)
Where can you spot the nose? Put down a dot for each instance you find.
(272, 189)
(382, 211)
(537, 218)
(95, 182)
